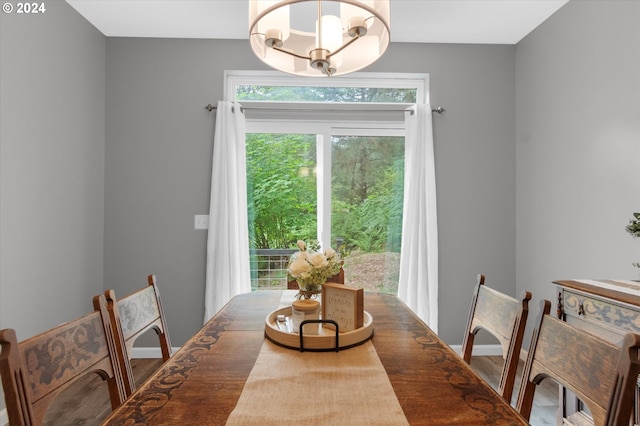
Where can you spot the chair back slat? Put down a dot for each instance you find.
(131, 317)
(601, 374)
(138, 313)
(505, 318)
(37, 369)
(496, 312)
(75, 348)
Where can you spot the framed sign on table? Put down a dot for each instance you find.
(344, 305)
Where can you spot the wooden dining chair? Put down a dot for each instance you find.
(504, 318)
(603, 376)
(36, 370)
(131, 317)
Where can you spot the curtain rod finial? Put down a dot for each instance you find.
(439, 110)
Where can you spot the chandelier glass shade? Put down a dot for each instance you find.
(318, 38)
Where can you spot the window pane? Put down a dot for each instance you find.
(326, 94)
(367, 197)
(281, 198)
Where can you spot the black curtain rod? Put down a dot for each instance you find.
(209, 107)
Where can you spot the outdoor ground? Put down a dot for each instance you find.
(373, 271)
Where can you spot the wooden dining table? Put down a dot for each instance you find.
(203, 381)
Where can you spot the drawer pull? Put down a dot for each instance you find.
(580, 310)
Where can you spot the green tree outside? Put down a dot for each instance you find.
(367, 184)
(281, 189)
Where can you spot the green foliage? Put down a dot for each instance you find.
(633, 227)
(367, 191)
(282, 201)
(367, 183)
(325, 94)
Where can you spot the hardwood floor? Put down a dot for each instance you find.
(87, 403)
(545, 402)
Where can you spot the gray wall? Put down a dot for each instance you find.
(158, 165)
(578, 145)
(52, 134)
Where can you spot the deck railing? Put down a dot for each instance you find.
(269, 268)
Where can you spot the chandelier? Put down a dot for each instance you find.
(319, 38)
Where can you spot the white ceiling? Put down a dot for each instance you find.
(425, 21)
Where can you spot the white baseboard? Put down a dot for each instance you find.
(4, 417)
(149, 352)
(480, 350)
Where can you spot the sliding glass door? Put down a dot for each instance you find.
(342, 187)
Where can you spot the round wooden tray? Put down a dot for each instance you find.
(323, 342)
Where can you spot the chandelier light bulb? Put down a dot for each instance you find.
(273, 38)
(331, 33)
(357, 27)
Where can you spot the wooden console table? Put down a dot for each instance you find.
(606, 308)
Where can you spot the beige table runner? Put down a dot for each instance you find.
(287, 386)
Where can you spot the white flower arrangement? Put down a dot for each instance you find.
(312, 268)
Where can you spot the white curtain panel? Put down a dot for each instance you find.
(228, 239)
(418, 283)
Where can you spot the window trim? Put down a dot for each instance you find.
(419, 81)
